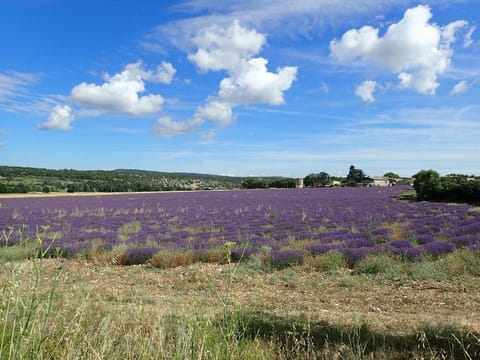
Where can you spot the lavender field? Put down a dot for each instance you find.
(285, 224)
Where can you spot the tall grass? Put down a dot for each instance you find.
(40, 320)
(42, 316)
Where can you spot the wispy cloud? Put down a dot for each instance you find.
(460, 87)
(15, 84)
(16, 95)
(276, 18)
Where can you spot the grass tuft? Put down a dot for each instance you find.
(329, 262)
(171, 259)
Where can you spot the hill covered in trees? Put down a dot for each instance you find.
(26, 179)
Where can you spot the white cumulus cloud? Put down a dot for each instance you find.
(462, 86)
(60, 119)
(120, 93)
(414, 49)
(217, 111)
(233, 49)
(366, 89)
(164, 74)
(225, 48)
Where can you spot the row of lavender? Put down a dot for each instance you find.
(355, 221)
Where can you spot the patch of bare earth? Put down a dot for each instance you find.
(341, 299)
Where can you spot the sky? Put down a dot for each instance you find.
(241, 87)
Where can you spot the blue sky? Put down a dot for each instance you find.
(241, 87)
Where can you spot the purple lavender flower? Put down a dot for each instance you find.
(354, 255)
(425, 238)
(438, 248)
(283, 258)
(318, 249)
(205, 220)
(472, 228)
(238, 253)
(400, 244)
(463, 240)
(409, 254)
(138, 255)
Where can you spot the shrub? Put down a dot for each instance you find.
(378, 264)
(462, 262)
(330, 261)
(284, 258)
(213, 255)
(423, 270)
(170, 259)
(137, 256)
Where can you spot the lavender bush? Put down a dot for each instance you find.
(284, 258)
(137, 255)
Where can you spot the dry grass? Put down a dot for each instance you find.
(399, 305)
(83, 310)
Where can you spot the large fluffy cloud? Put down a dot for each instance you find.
(414, 49)
(233, 49)
(60, 119)
(226, 48)
(120, 93)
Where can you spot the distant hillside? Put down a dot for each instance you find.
(151, 172)
(15, 179)
(26, 179)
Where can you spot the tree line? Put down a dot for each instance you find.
(429, 185)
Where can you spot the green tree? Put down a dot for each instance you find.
(427, 184)
(354, 176)
(3, 189)
(317, 180)
(391, 175)
(254, 183)
(20, 188)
